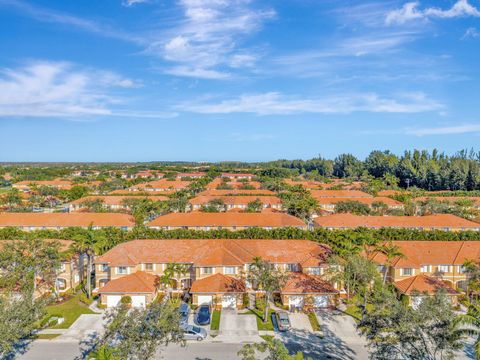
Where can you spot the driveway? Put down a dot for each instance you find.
(86, 326)
(300, 321)
(235, 328)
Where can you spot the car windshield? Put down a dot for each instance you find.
(284, 321)
(204, 310)
(196, 329)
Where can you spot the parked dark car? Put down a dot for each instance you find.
(184, 310)
(283, 321)
(202, 315)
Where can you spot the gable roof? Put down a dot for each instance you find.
(423, 283)
(218, 283)
(213, 252)
(138, 282)
(418, 253)
(162, 184)
(227, 219)
(300, 283)
(437, 221)
(236, 192)
(65, 219)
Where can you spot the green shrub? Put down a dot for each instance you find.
(126, 300)
(260, 304)
(246, 300)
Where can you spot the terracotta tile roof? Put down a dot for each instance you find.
(234, 184)
(422, 283)
(367, 200)
(317, 194)
(391, 192)
(140, 193)
(65, 219)
(162, 184)
(300, 283)
(256, 192)
(213, 252)
(418, 253)
(226, 219)
(437, 221)
(310, 185)
(190, 174)
(116, 200)
(138, 282)
(217, 284)
(236, 200)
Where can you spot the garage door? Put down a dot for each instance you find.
(296, 301)
(204, 299)
(229, 301)
(138, 301)
(113, 300)
(320, 301)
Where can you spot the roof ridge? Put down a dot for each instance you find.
(458, 252)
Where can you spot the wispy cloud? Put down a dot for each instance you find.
(51, 16)
(411, 11)
(60, 89)
(471, 32)
(205, 44)
(445, 130)
(129, 3)
(274, 103)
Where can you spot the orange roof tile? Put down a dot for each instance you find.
(236, 200)
(226, 219)
(236, 192)
(138, 282)
(65, 219)
(216, 252)
(437, 221)
(418, 253)
(422, 283)
(300, 283)
(164, 184)
(318, 194)
(217, 284)
(366, 200)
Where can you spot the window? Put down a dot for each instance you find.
(425, 268)
(104, 267)
(121, 270)
(291, 267)
(443, 268)
(207, 270)
(461, 269)
(316, 271)
(62, 267)
(229, 270)
(61, 284)
(149, 267)
(407, 272)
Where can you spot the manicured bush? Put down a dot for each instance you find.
(126, 300)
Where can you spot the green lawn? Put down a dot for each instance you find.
(356, 312)
(314, 321)
(259, 315)
(215, 325)
(4, 190)
(70, 310)
(46, 336)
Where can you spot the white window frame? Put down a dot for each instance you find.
(425, 268)
(443, 268)
(203, 272)
(404, 273)
(104, 267)
(291, 267)
(145, 267)
(316, 270)
(122, 267)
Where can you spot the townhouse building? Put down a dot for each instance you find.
(428, 266)
(330, 203)
(237, 176)
(215, 271)
(237, 192)
(112, 202)
(26, 185)
(445, 222)
(236, 202)
(58, 221)
(225, 220)
(160, 185)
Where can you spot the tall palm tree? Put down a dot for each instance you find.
(172, 271)
(87, 243)
(391, 252)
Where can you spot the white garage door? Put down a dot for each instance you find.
(138, 301)
(296, 301)
(204, 299)
(229, 301)
(320, 301)
(113, 300)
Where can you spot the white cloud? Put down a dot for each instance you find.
(446, 130)
(471, 32)
(410, 11)
(206, 43)
(274, 103)
(59, 89)
(129, 3)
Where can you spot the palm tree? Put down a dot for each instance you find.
(103, 353)
(172, 271)
(87, 243)
(472, 320)
(391, 252)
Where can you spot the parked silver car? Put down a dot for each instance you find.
(192, 332)
(283, 321)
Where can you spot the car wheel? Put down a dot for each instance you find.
(199, 338)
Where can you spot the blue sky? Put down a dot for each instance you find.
(211, 80)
